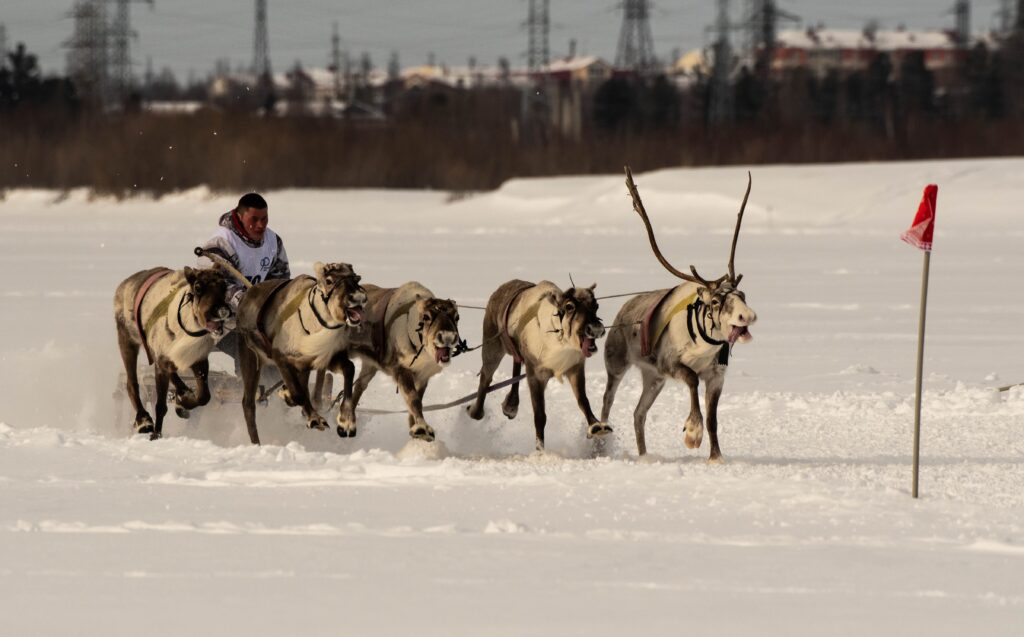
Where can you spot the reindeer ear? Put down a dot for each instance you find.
(591, 288)
(191, 275)
(320, 270)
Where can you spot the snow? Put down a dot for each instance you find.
(807, 528)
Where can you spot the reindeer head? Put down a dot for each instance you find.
(725, 309)
(438, 327)
(338, 286)
(721, 302)
(208, 290)
(576, 313)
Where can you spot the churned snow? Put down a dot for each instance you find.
(808, 528)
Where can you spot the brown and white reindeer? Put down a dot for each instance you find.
(684, 333)
(176, 317)
(412, 337)
(549, 331)
(299, 325)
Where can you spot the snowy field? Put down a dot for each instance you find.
(808, 528)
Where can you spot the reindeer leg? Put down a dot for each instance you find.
(297, 383)
(418, 427)
(540, 417)
(163, 381)
(616, 364)
(130, 356)
(346, 417)
(510, 406)
(653, 384)
(695, 421)
(366, 374)
(712, 392)
(188, 399)
(249, 364)
(578, 382)
(490, 355)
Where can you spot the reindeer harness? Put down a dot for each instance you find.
(160, 309)
(651, 332)
(524, 320)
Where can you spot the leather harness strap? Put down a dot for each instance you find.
(650, 332)
(261, 335)
(531, 313)
(290, 308)
(157, 274)
(376, 314)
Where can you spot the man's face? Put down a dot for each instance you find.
(254, 222)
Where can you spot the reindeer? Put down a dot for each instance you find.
(177, 317)
(413, 336)
(299, 325)
(685, 333)
(550, 331)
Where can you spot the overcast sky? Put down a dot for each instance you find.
(189, 35)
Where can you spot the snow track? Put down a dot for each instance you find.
(807, 529)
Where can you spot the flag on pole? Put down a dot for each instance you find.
(920, 236)
(920, 233)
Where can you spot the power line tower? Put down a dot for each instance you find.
(336, 60)
(87, 60)
(538, 30)
(962, 11)
(763, 18)
(121, 35)
(260, 52)
(720, 107)
(636, 44)
(1005, 16)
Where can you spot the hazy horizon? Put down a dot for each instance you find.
(191, 35)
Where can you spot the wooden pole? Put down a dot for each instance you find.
(920, 368)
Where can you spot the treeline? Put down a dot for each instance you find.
(460, 140)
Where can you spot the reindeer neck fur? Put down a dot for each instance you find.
(676, 344)
(167, 339)
(320, 344)
(540, 339)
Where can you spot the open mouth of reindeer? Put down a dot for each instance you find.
(739, 333)
(442, 354)
(215, 326)
(588, 345)
(354, 315)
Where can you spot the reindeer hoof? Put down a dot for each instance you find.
(156, 435)
(716, 459)
(598, 429)
(422, 432)
(510, 409)
(182, 412)
(346, 433)
(694, 435)
(144, 425)
(286, 396)
(317, 422)
(185, 396)
(475, 415)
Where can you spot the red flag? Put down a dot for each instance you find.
(920, 233)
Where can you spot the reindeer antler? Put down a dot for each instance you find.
(638, 205)
(736, 235)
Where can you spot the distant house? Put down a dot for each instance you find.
(849, 50)
(586, 69)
